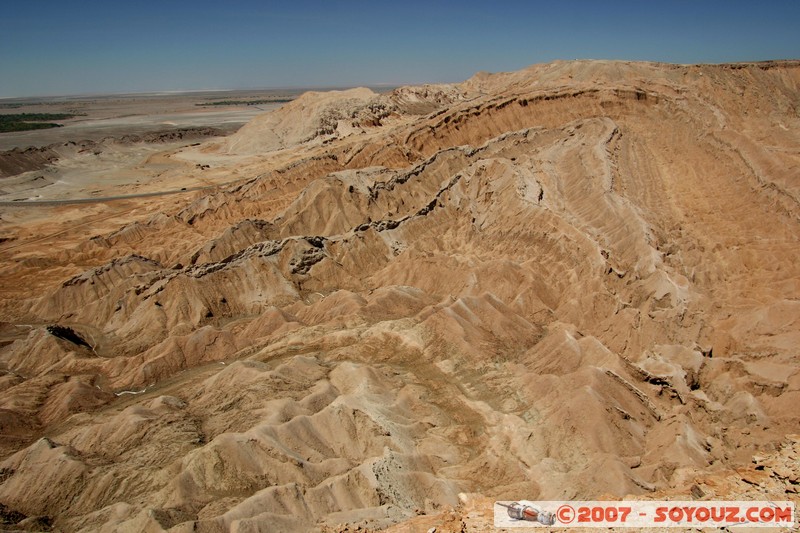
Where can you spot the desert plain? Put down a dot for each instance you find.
(387, 309)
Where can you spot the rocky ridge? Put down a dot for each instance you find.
(431, 293)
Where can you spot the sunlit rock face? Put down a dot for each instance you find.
(573, 281)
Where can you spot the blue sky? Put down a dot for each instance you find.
(86, 46)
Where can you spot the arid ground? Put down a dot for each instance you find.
(387, 310)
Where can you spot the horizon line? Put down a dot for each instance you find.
(190, 91)
(782, 61)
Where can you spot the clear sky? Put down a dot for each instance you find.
(87, 46)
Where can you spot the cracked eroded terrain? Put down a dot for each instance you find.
(575, 281)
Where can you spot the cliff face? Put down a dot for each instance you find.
(571, 281)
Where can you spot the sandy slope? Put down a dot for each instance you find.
(573, 281)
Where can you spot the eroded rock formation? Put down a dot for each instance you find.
(571, 281)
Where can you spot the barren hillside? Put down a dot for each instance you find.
(578, 280)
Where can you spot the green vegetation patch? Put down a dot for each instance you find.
(31, 121)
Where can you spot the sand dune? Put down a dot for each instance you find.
(578, 280)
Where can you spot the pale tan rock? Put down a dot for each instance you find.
(573, 281)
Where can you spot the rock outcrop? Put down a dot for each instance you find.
(572, 281)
